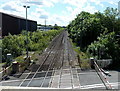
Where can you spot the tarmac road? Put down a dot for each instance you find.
(90, 80)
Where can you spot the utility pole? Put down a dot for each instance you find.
(26, 7)
(45, 24)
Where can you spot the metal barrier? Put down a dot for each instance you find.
(104, 62)
(13, 68)
(102, 76)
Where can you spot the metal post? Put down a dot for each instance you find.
(45, 24)
(27, 31)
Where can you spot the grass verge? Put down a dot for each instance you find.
(83, 58)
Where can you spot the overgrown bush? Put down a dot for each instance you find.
(17, 44)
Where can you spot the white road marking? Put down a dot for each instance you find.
(98, 85)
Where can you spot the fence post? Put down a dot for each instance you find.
(15, 67)
(92, 62)
(1, 75)
(79, 61)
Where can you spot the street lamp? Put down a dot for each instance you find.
(26, 30)
(45, 24)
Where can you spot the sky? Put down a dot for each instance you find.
(59, 12)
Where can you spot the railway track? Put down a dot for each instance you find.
(55, 68)
(53, 59)
(47, 64)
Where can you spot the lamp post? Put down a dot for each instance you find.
(26, 30)
(45, 24)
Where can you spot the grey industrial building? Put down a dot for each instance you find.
(14, 25)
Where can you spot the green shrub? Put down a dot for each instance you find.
(16, 44)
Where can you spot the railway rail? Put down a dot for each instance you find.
(48, 61)
(54, 59)
(55, 68)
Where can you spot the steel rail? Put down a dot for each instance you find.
(41, 64)
(43, 61)
(52, 61)
(60, 71)
(54, 65)
(42, 58)
(72, 58)
(26, 79)
(54, 71)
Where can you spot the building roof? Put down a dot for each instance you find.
(15, 16)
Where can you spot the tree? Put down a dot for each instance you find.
(98, 34)
(56, 27)
(85, 26)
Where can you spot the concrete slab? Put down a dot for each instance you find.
(24, 84)
(65, 85)
(36, 83)
(16, 83)
(88, 78)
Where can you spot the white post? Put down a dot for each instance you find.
(1, 76)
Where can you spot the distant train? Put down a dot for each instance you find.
(14, 25)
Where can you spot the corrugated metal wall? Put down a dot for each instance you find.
(33, 25)
(10, 25)
(15, 25)
(22, 24)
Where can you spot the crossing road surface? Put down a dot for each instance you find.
(89, 80)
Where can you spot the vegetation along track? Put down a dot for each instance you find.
(56, 67)
(55, 58)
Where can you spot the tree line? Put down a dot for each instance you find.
(97, 34)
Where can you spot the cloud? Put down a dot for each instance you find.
(69, 9)
(38, 10)
(43, 17)
(89, 8)
(81, 5)
(47, 3)
(12, 6)
(34, 3)
(55, 1)
(113, 3)
(39, 15)
(44, 3)
(8, 7)
(97, 2)
(76, 3)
